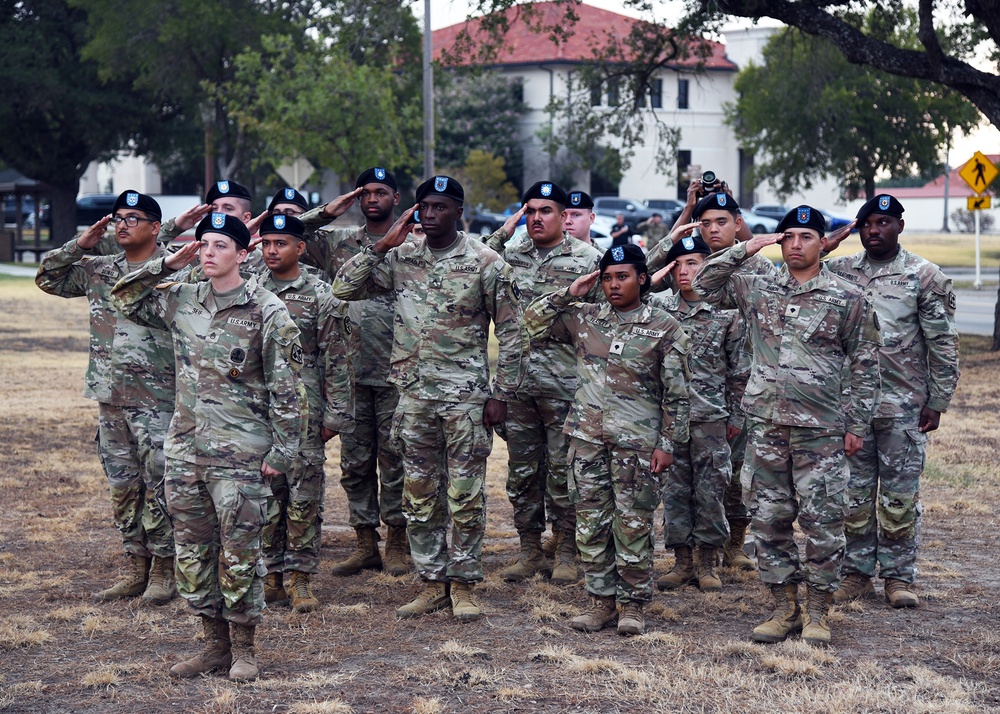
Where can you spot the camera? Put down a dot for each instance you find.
(710, 183)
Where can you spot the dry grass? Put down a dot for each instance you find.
(950, 249)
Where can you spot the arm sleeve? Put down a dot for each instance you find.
(337, 341)
(936, 313)
(720, 282)
(503, 298)
(675, 404)
(545, 317)
(282, 360)
(737, 370)
(497, 240)
(142, 298)
(861, 345)
(65, 271)
(365, 275)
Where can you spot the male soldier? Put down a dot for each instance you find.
(291, 536)
(226, 196)
(653, 229)
(629, 415)
(579, 216)
(288, 202)
(805, 328)
(919, 362)
(371, 467)
(544, 260)
(694, 516)
(131, 376)
(236, 425)
(620, 232)
(448, 287)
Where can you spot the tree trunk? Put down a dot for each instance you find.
(63, 212)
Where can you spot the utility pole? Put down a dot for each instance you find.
(947, 183)
(428, 95)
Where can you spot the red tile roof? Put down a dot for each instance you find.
(957, 187)
(525, 45)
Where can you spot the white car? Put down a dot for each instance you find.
(758, 223)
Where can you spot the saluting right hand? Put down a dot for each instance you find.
(92, 236)
(510, 225)
(190, 218)
(397, 234)
(834, 239)
(661, 274)
(584, 284)
(761, 240)
(683, 231)
(338, 206)
(182, 257)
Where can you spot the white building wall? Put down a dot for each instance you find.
(121, 174)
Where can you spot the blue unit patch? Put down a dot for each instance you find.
(618, 253)
(223, 186)
(279, 222)
(546, 189)
(440, 183)
(132, 199)
(218, 220)
(379, 173)
(803, 215)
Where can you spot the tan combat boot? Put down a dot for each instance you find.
(786, 618)
(216, 654)
(432, 598)
(564, 571)
(853, 586)
(603, 611)
(365, 555)
(463, 605)
(161, 588)
(397, 548)
(299, 591)
(274, 589)
(733, 555)
(815, 630)
(132, 585)
(530, 561)
(708, 581)
(682, 572)
(550, 544)
(900, 594)
(630, 619)
(244, 653)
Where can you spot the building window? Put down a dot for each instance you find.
(656, 94)
(613, 92)
(595, 93)
(682, 94)
(683, 165)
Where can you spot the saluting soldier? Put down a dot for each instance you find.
(371, 467)
(813, 337)
(915, 303)
(291, 539)
(236, 425)
(579, 216)
(629, 415)
(131, 376)
(448, 287)
(543, 260)
(288, 202)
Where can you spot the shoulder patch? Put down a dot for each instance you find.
(295, 354)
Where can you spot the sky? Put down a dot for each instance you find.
(450, 12)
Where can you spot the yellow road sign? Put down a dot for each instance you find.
(978, 203)
(979, 172)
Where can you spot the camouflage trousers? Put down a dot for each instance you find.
(291, 536)
(615, 495)
(444, 446)
(693, 488)
(736, 510)
(883, 521)
(539, 464)
(218, 515)
(130, 446)
(797, 473)
(369, 460)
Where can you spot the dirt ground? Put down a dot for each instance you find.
(61, 652)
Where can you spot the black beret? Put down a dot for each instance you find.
(441, 186)
(547, 190)
(884, 204)
(686, 246)
(288, 195)
(803, 217)
(376, 174)
(228, 189)
(288, 225)
(715, 202)
(622, 254)
(226, 225)
(579, 199)
(140, 202)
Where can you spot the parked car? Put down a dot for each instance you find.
(759, 223)
(834, 222)
(27, 211)
(771, 210)
(635, 212)
(92, 207)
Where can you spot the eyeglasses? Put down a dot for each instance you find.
(130, 221)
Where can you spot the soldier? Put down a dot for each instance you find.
(694, 517)
(131, 376)
(228, 197)
(238, 415)
(805, 328)
(291, 538)
(370, 465)
(919, 366)
(579, 216)
(621, 234)
(288, 202)
(653, 229)
(544, 260)
(448, 287)
(629, 415)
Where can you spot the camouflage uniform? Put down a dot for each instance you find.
(803, 337)
(619, 416)
(535, 440)
(239, 403)
(701, 472)
(372, 493)
(653, 233)
(131, 376)
(919, 365)
(444, 304)
(291, 537)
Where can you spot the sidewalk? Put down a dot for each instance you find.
(20, 271)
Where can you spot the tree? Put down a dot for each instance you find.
(485, 183)
(849, 123)
(57, 114)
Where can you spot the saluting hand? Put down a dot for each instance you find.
(92, 236)
(185, 255)
(660, 461)
(682, 231)
(834, 239)
(584, 284)
(397, 234)
(761, 240)
(510, 225)
(253, 225)
(189, 219)
(338, 206)
(661, 274)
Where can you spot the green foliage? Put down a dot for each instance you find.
(485, 181)
(854, 123)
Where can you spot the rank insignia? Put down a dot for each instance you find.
(379, 173)
(546, 189)
(234, 373)
(218, 220)
(223, 186)
(618, 253)
(803, 214)
(279, 222)
(132, 199)
(440, 183)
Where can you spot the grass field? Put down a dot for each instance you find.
(62, 652)
(954, 250)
